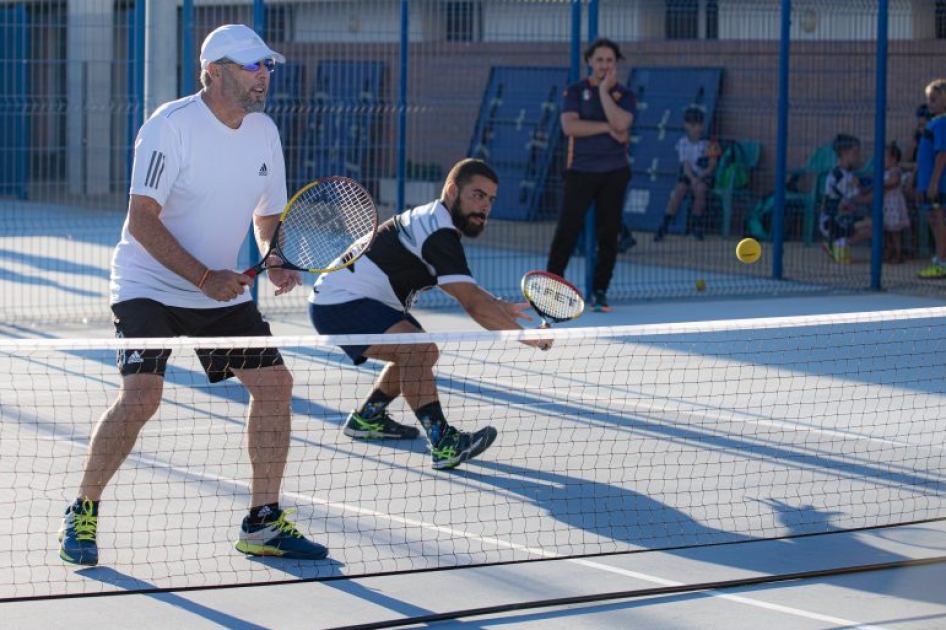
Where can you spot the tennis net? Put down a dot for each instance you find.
(616, 440)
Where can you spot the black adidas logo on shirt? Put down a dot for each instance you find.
(263, 171)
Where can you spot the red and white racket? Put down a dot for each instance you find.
(553, 298)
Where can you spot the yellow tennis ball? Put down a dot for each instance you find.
(701, 285)
(748, 250)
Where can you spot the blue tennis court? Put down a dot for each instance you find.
(549, 528)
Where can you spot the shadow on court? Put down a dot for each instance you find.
(604, 510)
(114, 578)
(300, 569)
(812, 542)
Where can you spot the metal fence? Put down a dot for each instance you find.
(392, 92)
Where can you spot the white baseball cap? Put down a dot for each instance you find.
(237, 43)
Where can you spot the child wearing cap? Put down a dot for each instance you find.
(698, 159)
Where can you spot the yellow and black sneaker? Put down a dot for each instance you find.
(455, 447)
(380, 427)
(935, 271)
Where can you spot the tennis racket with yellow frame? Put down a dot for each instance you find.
(326, 226)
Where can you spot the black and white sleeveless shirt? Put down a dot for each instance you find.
(413, 252)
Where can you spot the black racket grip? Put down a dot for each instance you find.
(545, 346)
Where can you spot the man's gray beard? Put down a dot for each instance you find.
(252, 106)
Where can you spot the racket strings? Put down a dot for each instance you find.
(323, 222)
(553, 298)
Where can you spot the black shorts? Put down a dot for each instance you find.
(684, 179)
(148, 318)
(358, 317)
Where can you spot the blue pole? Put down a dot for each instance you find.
(259, 17)
(574, 66)
(591, 239)
(880, 145)
(187, 48)
(574, 69)
(259, 25)
(136, 80)
(781, 144)
(404, 63)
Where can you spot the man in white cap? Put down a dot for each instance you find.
(206, 167)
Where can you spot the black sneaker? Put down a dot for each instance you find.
(599, 302)
(626, 240)
(660, 234)
(455, 447)
(278, 537)
(381, 427)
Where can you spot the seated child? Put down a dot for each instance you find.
(698, 159)
(844, 219)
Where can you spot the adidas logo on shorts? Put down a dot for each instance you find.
(134, 358)
(263, 171)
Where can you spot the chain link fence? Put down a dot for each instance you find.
(392, 93)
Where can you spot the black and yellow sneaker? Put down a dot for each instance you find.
(380, 427)
(935, 271)
(455, 447)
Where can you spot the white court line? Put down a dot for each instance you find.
(345, 507)
(739, 599)
(736, 416)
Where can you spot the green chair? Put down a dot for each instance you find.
(732, 177)
(816, 170)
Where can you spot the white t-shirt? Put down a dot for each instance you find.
(696, 153)
(209, 180)
(413, 252)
